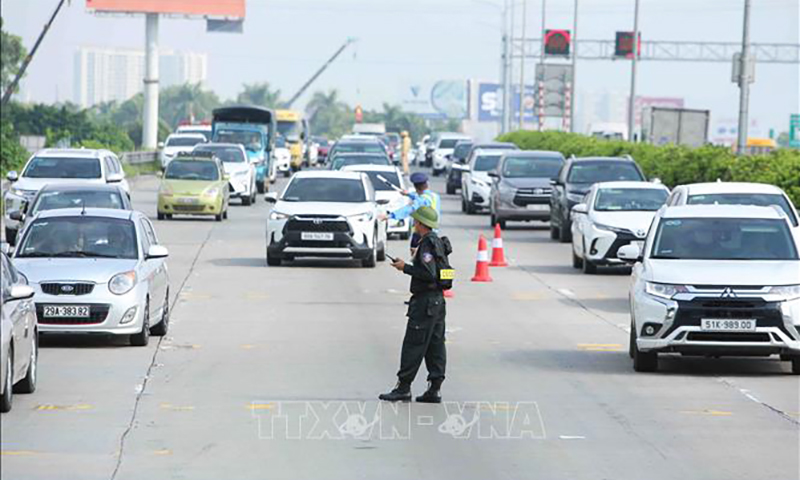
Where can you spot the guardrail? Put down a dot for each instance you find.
(135, 158)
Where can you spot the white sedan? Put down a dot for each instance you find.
(389, 185)
(326, 214)
(613, 214)
(240, 171)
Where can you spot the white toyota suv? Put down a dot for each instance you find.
(326, 214)
(715, 280)
(445, 144)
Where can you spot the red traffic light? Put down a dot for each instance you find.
(623, 46)
(557, 42)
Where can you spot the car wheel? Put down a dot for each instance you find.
(287, 174)
(260, 187)
(470, 208)
(565, 232)
(554, 233)
(382, 253)
(463, 205)
(225, 215)
(273, 261)
(11, 236)
(796, 366)
(218, 217)
(451, 190)
(369, 262)
(28, 384)
(405, 235)
(643, 361)
(168, 216)
(142, 338)
(8, 389)
(161, 328)
(247, 201)
(160, 215)
(589, 268)
(577, 262)
(632, 339)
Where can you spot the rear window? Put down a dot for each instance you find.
(596, 172)
(757, 199)
(359, 147)
(55, 167)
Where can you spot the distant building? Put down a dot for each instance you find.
(114, 74)
(595, 107)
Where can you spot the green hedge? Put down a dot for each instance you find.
(677, 165)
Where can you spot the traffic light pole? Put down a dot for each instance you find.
(744, 83)
(635, 50)
(574, 42)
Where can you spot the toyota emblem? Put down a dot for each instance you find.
(67, 288)
(317, 221)
(538, 191)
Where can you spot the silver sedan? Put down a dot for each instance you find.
(19, 352)
(96, 271)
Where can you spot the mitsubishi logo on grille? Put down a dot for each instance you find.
(728, 293)
(317, 221)
(67, 288)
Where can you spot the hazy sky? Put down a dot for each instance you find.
(408, 41)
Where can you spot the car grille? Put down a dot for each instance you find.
(97, 314)
(532, 196)
(318, 224)
(67, 288)
(188, 208)
(728, 337)
(766, 314)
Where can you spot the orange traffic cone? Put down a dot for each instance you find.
(482, 266)
(498, 255)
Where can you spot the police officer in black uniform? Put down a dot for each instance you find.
(424, 338)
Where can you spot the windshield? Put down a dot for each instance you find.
(758, 199)
(358, 147)
(484, 163)
(226, 154)
(289, 129)
(192, 170)
(629, 200)
(183, 141)
(54, 200)
(206, 133)
(527, 167)
(325, 190)
(251, 139)
(449, 142)
(724, 239)
(342, 161)
(380, 185)
(54, 167)
(392, 138)
(461, 150)
(82, 236)
(596, 172)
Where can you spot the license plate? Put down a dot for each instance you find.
(713, 325)
(60, 311)
(317, 236)
(188, 201)
(538, 207)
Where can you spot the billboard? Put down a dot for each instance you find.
(490, 103)
(443, 99)
(215, 8)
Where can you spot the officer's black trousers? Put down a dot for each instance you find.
(424, 338)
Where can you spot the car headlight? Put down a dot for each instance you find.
(278, 216)
(664, 290)
(786, 292)
(575, 197)
(122, 283)
(609, 228)
(361, 217)
(210, 193)
(479, 183)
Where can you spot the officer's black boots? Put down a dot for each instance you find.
(401, 393)
(432, 394)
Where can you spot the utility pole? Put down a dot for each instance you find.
(522, 68)
(321, 69)
(505, 58)
(509, 88)
(541, 63)
(634, 60)
(150, 120)
(573, 96)
(744, 83)
(13, 86)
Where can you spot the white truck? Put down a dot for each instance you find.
(677, 126)
(374, 129)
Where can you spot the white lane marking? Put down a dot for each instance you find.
(571, 437)
(567, 292)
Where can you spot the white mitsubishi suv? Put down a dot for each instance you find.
(715, 280)
(327, 214)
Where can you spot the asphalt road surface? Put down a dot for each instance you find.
(275, 372)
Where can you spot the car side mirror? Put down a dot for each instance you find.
(160, 145)
(17, 216)
(494, 174)
(383, 201)
(157, 251)
(12, 176)
(581, 209)
(271, 197)
(554, 181)
(114, 178)
(5, 248)
(630, 253)
(20, 292)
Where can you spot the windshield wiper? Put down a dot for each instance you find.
(78, 254)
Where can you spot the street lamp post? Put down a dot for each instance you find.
(574, 65)
(522, 68)
(744, 82)
(634, 61)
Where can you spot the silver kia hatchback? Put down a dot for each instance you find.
(98, 271)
